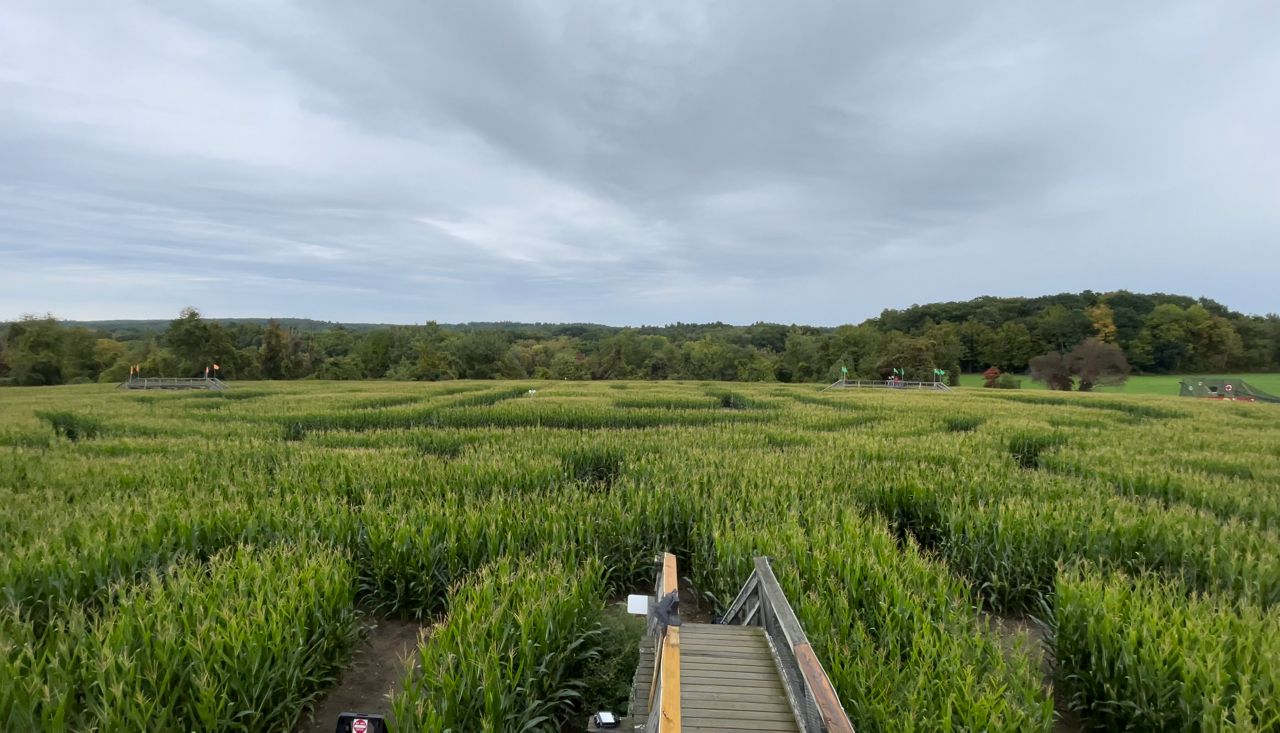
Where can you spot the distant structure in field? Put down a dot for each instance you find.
(212, 379)
(1214, 388)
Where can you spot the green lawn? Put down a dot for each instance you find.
(1158, 384)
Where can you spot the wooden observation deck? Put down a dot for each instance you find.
(754, 671)
(886, 384)
(174, 383)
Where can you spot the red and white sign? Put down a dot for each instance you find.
(359, 725)
(1228, 388)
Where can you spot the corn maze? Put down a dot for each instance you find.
(202, 561)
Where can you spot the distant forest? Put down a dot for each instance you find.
(1157, 333)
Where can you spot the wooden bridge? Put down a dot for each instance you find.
(174, 383)
(753, 671)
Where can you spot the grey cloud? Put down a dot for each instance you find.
(629, 162)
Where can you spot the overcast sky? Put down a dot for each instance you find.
(631, 162)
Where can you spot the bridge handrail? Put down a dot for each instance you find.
(664, 692)
(761, 602)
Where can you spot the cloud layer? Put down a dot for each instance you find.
(630, 162)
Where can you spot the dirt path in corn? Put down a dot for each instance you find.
(377, 669)
(1028, 634)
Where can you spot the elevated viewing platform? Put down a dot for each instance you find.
(886, 384)
(753, 671)
(174, 383)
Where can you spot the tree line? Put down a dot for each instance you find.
(1056, 337)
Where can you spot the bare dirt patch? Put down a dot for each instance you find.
(1030, 635)
(377, 669)
(695, 607)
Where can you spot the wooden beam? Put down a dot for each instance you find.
(669, 715)
(653, 683)
(670, 580)
(824, 695)
(773, 594)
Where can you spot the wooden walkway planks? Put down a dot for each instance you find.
(729, 682)
(640, 684)
(725, 678)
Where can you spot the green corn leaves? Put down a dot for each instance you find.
(196, 562)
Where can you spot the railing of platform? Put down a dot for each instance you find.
(762, 603)
(664, 693)
(174, 383)
(886, 384)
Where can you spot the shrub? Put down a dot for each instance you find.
(990, 377)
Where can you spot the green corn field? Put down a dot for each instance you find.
(204, 561)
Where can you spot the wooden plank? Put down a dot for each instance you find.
(746, 642)
(653, 683)
(736, 628)
(777, 600)
(824, 695)
(704, 690)
(744, 681)
(724, 638)
(758, 646)
(729, 628)
(762, 686)
(752, 610)
(778, 726)
(712, 727)
(753, 729)
(772, 710)
(669, 714)
(691, 663)
(670, 579)
(744, 718)
(727, 674)
(700, 689)
(670, 584)
(690, 705)
(711, 642)
(694, 631)
(697, 637)
(759, 650)
(749, 665)
(744, 595)
(722, 660)
(731, 727)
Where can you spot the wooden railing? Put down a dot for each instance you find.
(174, 383)
(664, 693)
(886, 384)
(762, 603)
